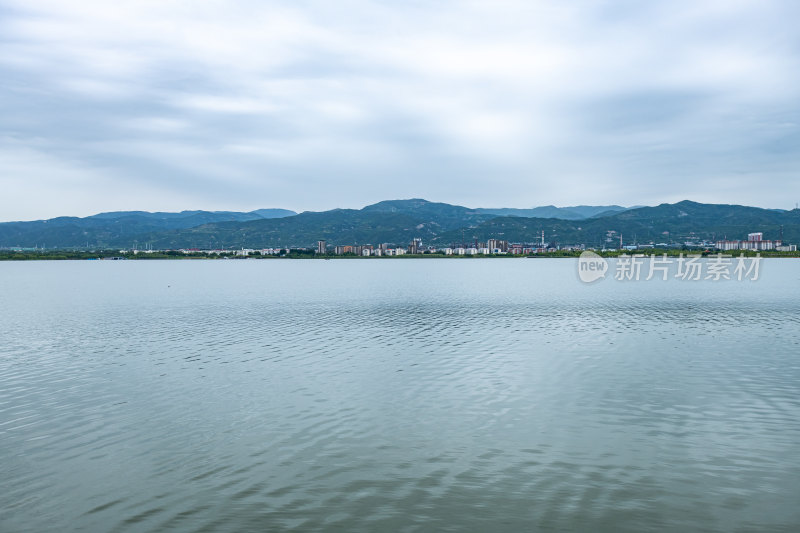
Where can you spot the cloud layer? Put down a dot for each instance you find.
(316, 104)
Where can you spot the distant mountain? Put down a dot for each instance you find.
(676, 223)
(273, 213)
(339, 226)
(589, 211)
(193, 216)
(399, 221)
(444, 216)
(395, 221)
(578, 212)
(118, 226)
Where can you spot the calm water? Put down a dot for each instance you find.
(395, 395)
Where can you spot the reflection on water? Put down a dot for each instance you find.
(483, 395)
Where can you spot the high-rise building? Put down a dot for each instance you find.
(755, 241)
(496, 245)
(322, 247)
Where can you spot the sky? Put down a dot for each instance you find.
(312, 105)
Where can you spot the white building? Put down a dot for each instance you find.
(755, 245)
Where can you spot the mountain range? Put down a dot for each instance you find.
(400, 221)
(109, 229)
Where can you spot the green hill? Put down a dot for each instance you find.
(671, 223)
(107, 229)
(400, 221)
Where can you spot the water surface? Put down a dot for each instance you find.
(395, 395)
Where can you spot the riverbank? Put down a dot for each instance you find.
(61, 255)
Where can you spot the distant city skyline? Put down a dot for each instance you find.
(172, 106)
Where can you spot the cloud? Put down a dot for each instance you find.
(47, 180)
(317, 104)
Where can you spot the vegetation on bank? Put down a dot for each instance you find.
(400, 222)
(57, 255)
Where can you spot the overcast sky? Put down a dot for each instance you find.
(311, 105)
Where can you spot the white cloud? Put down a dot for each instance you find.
(321, 104)
(52, 185)
(225, 104)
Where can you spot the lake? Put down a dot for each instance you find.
(395, 395)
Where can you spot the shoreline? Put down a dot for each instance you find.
(110, 255)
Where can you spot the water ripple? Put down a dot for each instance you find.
(394, 395)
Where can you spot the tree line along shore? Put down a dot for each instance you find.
(57, 255)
